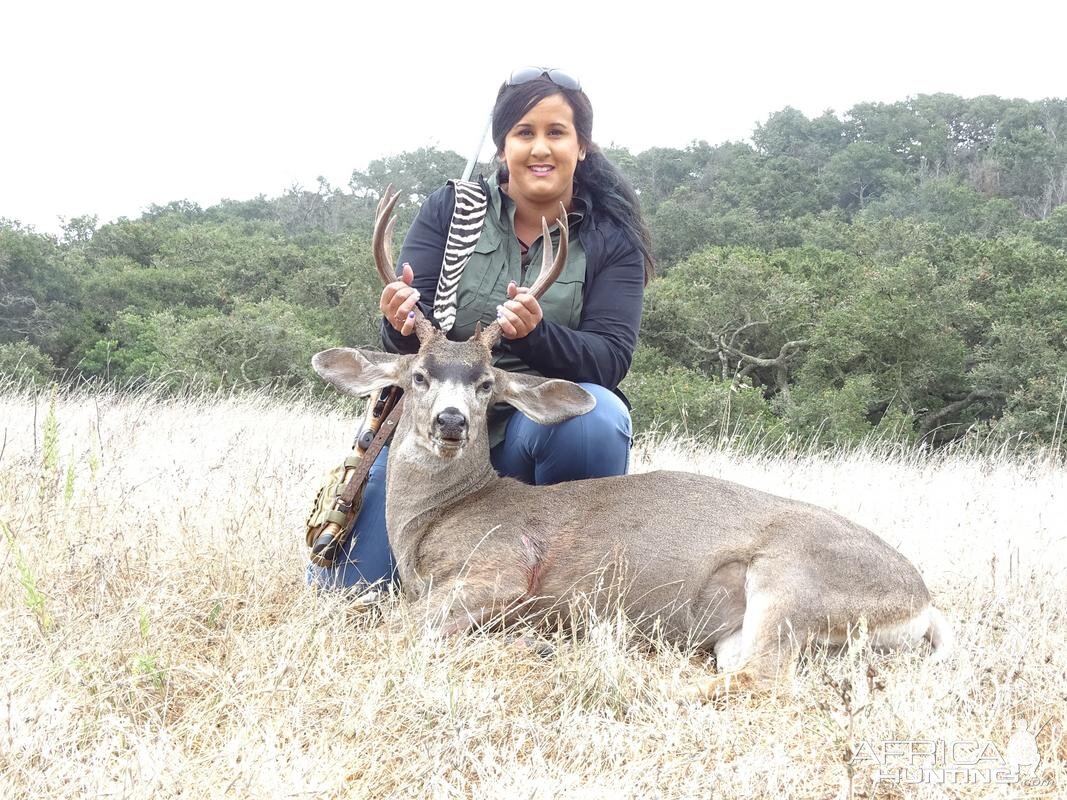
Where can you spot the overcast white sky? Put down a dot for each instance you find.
(111, 106)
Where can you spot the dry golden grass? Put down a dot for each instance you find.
(158, 639)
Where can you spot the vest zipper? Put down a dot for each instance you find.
(524, 263)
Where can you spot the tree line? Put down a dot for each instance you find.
(898, 272)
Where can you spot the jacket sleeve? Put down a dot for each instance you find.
(424, 249)
(601, 348)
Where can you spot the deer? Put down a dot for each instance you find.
(699, 561)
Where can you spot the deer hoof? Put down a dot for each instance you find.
(529, 644)
(717, 688)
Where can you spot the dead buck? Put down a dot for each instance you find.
(697, 560)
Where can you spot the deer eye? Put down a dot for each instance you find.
(485, 386)
(418, 378)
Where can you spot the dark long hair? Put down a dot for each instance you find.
(609, 192)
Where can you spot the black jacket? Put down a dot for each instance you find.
(601, 348)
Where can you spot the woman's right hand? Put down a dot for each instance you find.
(398, 302)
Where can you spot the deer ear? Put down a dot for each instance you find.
(361, 372)
(545, 400)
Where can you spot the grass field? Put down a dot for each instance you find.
(158, 639)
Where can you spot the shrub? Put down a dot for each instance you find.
(22, 362)
(665, 395)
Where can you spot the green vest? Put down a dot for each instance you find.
(497, 259)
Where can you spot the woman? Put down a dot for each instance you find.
(584, 328)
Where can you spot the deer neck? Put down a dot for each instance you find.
(420, 485)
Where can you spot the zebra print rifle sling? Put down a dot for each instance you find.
(468, 217)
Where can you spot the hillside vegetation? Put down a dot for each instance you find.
(898, 272)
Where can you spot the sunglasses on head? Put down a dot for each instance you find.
(557, 76)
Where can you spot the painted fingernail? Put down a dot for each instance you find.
(411, 314)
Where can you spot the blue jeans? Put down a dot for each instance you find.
(593, 445)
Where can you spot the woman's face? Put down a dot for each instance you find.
(542, 151)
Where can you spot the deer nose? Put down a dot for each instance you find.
(452, 420)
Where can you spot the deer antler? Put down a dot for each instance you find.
(551, 267)
(384, 222)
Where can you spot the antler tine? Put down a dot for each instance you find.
(488, 337)
(551, 268)
(383, 235)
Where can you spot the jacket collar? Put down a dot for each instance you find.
(504, 207)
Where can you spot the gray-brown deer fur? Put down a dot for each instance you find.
(694, 559)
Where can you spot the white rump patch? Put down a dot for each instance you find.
(904, 634)
(887, 637)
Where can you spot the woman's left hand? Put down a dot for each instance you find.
(520, 314)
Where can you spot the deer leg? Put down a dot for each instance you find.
(728, 652)
(492, 589)
(763, 655)
(455, 607)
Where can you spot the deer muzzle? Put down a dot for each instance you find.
(450, 428)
